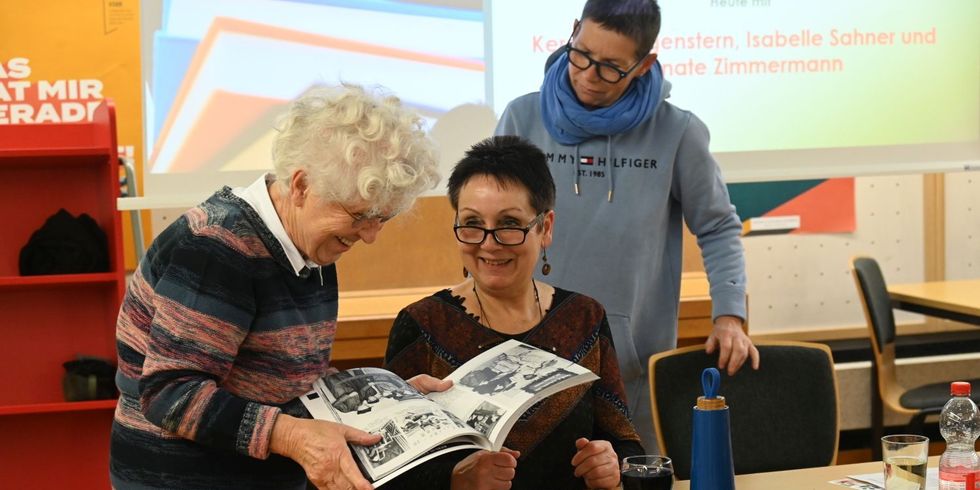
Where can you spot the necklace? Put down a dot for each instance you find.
(483, 315)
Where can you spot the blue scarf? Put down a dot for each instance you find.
(570, 123)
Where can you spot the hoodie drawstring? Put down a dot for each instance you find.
(577, 164)
(609, 167)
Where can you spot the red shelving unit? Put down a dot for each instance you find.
(47, 320)
(57, 407)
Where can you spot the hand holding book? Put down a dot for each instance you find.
(320, 447)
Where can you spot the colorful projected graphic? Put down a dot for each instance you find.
(789, 90)
(222, 70)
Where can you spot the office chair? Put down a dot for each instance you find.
(918, 402)
(783, 416)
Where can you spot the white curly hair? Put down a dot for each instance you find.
(353, 143)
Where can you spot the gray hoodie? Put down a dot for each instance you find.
(618, 237)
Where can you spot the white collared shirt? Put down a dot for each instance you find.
(257, 196)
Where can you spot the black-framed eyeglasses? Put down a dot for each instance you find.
(608, 73)
(504, 235)
(360, 219)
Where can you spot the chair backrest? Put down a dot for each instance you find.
(874, 296)
(783, 416)
(881, 327)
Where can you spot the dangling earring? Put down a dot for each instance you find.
(546, 267)
(466, 273)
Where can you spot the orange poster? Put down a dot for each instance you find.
(59, 58)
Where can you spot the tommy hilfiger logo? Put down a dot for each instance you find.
(590, 160)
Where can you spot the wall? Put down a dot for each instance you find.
(804, 281)
(416, 249)
(963, 225)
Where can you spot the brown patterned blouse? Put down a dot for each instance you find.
(436, 335)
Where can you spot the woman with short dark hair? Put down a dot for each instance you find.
(503, 194)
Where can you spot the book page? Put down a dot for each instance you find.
(377, 401)
(492, 390)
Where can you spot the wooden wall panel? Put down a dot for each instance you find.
(692, 254)
(418, 249)
(414, 249)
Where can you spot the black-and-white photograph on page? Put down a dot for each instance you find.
(425, 423)
(485, 417)
(513, 369)
(391, 446)
(359, 390)
(547, 380)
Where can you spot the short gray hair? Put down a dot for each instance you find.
(356, 144)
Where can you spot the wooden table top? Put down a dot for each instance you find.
(805, 479)
(961, 296)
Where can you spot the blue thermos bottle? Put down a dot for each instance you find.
(711, 444)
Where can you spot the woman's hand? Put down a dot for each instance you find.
(427, 384)
(486, 470)
(597, 463)
(320, 447)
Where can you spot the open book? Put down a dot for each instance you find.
(489, 394)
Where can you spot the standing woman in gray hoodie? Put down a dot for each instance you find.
(630, 169)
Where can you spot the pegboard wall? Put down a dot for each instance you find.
(804, 281)
(963, 225)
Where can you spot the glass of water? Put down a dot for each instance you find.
(649, 472)
(905, 457)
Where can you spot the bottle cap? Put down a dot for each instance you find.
(959, 388)
(716, 403)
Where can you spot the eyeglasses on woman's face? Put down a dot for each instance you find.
(607, 72)
(365, 219)
(504, 235)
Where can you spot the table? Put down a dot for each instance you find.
(952, 300)
(805, 479)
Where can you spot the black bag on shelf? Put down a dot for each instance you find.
(89, 378)
(66, 245)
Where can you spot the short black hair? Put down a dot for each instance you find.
(638, 20)
(509, 160)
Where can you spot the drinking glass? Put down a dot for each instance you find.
(647, 472)
(905, 457)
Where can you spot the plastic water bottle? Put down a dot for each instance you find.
(959, 424)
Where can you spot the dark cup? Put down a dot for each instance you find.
(648, 472)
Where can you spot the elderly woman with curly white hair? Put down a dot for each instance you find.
(231, 314)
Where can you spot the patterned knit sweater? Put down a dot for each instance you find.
(436, 335)
(216, 336)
